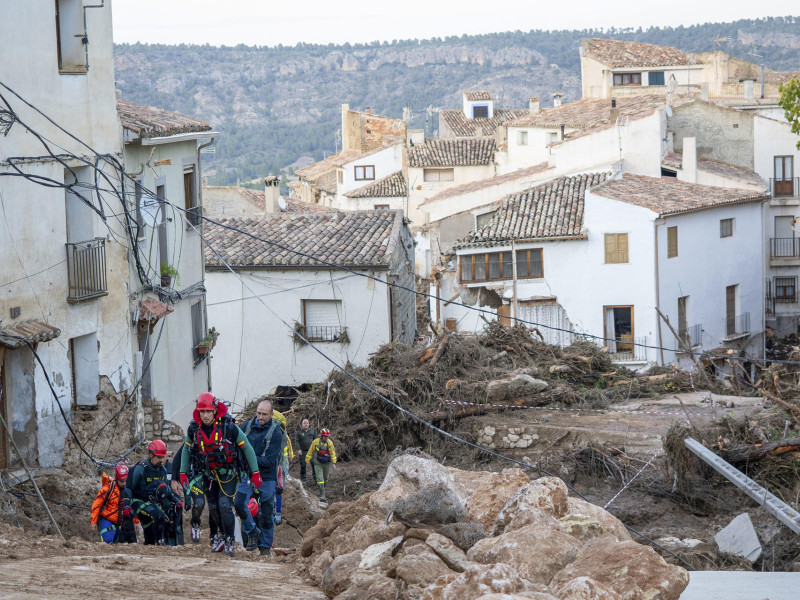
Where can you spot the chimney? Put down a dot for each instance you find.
(533, 103)
(614, 113)
(368, 110)
(563, 135)
(613, 102)
(345, 127)
(272, 191)
(557, 98)
(690, 159)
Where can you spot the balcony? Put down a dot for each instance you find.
(691, 336)
(326, 333)
(784, 252)
(86, 270)
(628, 350)
(736, 327)
(788, 187)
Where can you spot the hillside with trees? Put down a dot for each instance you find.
(274, 105)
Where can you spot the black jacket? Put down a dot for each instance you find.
(257, 436)
(304, 439)
(143, 480)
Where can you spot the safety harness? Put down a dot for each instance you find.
(219, 452)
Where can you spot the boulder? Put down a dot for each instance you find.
(374, 555)
(372, 585)
(420, 566)
(537, 551)
(520, 385)
(420, 490)
(546, 493)
(490, 495)
(340, 515)
(585, 588)
(581, 527)
(363, 533)
(338, 576)
(319, 566)
(612, 526)
(739, 539)
(477, 581)
(300, 509)
(453, 556)
(628, 569)
(520, 596)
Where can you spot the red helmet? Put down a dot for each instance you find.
(324, 431)
(121, 471)
(206, 401)
(157, 448)
(253, 507)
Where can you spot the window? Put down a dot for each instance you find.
(672, 242)
(627, 79)
(381, 207)
(683, 324)
(71, 39)
(198, 330)
(85, 370)
(668, 173)
(725, 228)
(340, 176)
(499, 265)
(364, 173)
(655, 78)
(480, 111)
(616, 248)
(193, 211)
(522, 138)
(552, 137)
(323, 321)
(432, 175)
(786, 289)
(784, 176)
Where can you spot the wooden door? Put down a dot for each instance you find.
(730, 309)
(784, 175)
(504, 314)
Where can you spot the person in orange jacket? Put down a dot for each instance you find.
(107, 512)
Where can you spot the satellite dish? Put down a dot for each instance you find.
(150, 210)
(282, 202)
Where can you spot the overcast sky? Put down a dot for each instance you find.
(260, 22)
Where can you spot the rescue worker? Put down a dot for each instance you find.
(283, 468)
(107, 519)
(217, 440)
(266, 436)
(194, 498)
(147, 494)
(321, 455)
(303, 438)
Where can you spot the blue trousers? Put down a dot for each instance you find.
(267, 493)
(108, 531)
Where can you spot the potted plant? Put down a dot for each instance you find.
(168, 272)
(208, 342)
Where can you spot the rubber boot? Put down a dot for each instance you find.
(322, 493)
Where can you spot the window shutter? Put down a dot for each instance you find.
(323, 313)
(672, 242)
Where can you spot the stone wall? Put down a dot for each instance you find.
(155, 426)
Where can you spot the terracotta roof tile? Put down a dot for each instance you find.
(258, 197)
(391, 186)
(472, 96)
(351, 238)
(449, 152)
(33, 331)
(549, 210)
(668, 196)
(621, 54)
(150, 122)
(462, 126)
(482, 184)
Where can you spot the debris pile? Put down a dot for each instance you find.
(436, 533)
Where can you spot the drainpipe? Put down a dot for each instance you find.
(514, 279)
(202, 246)
(660, 344)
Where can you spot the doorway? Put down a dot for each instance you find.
(18, 404)
(618, 328)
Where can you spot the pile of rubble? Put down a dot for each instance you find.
(436, 533)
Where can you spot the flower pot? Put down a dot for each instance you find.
(203, 349)
(166, 281)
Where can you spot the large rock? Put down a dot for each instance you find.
(490, 492)
(420, 490)
(300, 509)
(546, 493)
(420, 566)
(581, 527)
(341, 516)
(453, 556)
(373, 556)
(585, 588)
(520, 385)
(629, 570)
(366, 531)
(338, 576)
(739, 538)
(520, 596)
(320, 566)
(537, 551)
(477, 581)
(611, 525)
(372, 585)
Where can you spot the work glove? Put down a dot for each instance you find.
(184, 481)
(126, 512)
(179, 505)
(255, 479)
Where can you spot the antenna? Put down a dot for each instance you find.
(718, 41)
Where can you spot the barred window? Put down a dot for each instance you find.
(786, 289)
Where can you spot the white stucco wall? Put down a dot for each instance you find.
(386, 162)
(256, 349)
(34, 231)
(420, 190)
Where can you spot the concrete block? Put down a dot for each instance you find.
(740, 539)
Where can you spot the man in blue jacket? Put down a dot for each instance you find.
(265, 435)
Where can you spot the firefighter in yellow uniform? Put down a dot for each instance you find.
(283, 467)
(321, 455)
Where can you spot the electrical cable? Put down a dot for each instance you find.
(20, 495)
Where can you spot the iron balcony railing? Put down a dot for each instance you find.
(86, 270)
(627, 351)
(325, 333)
(194, 215)
(784, 247)
(737, 325)
(788, 186)
(691, 336)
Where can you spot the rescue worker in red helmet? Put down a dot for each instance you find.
(146, 491)
(107, 519)
(216, 439)
(321, 455)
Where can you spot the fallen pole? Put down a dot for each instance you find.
(777, 507)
